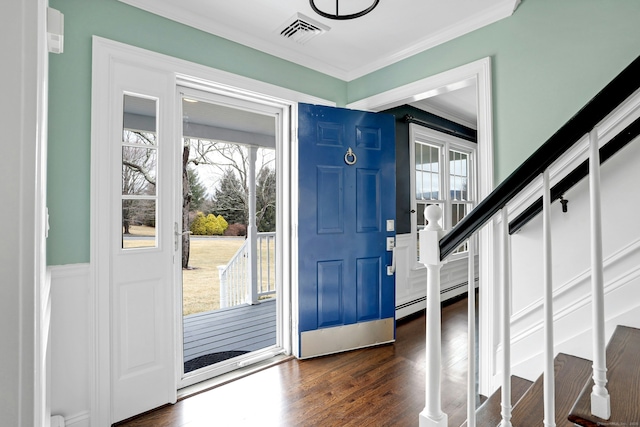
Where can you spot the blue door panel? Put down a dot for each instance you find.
(330, 199)
(330, 134)
(368, 201)
(368, 284)
(342, 216)
(330, 287)
(368, 137)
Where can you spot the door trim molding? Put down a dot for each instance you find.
(478, 72)
(105, 53)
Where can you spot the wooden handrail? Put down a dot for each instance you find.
(613, 94)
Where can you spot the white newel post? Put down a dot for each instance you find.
(600, 400)
(432, 415)
(252, 234)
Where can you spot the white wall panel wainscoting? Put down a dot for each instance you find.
(71, 344)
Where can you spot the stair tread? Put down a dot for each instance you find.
(623, 374)
(571, 373)
(488, 414)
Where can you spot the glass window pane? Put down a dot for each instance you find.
(139, 169)
(435, 159)
(140, 115)
(427, 185)
(459, 211)
(418, 153)
(427, 171)
(138, 223)
(420, 215)
(139, 172)
(435, 186)
(135, 137)
(458, 179)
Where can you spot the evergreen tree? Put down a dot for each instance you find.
(197, 190)
(230, 198)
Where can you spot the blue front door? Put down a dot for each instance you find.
(346, 293)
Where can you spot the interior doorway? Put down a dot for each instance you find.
(229, 245)
(477, 73)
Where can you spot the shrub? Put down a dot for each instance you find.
(209, 225)
(236, 229)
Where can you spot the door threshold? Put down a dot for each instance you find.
(236, 374)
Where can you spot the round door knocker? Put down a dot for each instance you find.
(350, 158)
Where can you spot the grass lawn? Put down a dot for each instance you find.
(201, 284)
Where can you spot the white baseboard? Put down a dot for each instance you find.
(57, 421)
(82, 419)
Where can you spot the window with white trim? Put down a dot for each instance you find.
(443, 173)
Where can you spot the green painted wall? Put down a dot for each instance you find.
(70, 99)
(548, 59)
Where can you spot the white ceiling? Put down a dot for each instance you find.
(459, 106)
(394, 30)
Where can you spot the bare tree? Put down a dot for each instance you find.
(139, 162)
(232, 162)
(266, 199)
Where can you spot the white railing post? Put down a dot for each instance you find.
(471, 335)
(252, 235)
(549, 373)
(432, 415)
(506, 322)
(600, 400)
(224, 291)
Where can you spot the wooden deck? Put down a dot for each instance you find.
(240, 328)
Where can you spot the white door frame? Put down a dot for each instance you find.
(104, 53)
(479, 72)
(215, 94)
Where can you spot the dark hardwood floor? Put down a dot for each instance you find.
(381, 386)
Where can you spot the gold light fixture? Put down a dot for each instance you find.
(341, 17)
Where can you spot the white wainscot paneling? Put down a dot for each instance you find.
(70, 344)
(571, 268)
(411, 281)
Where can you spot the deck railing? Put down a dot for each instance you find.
(235, 277)
(623, 93)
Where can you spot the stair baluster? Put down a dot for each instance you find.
(506, 322)
(600, 400)
(549, 354)
(471, 335)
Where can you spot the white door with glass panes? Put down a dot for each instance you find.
(142, 243)
(444, 174)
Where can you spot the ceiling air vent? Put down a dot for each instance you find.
(301, 28)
